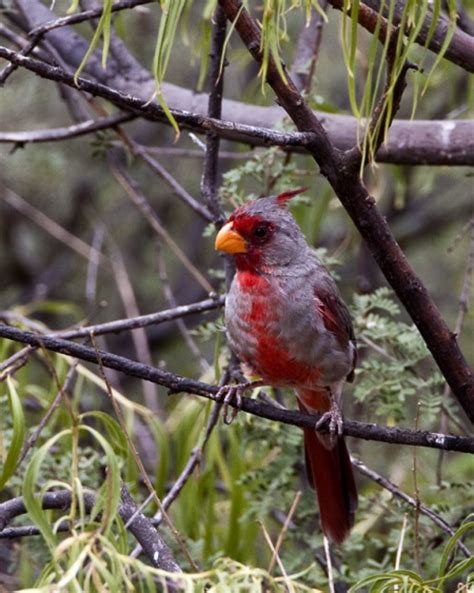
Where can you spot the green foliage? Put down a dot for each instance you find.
(17, 434)
(102, 31)
(408, 581)
(267, 170)
(396, 375)
(398, 46)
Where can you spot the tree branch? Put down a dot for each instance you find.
(53, 135)
(176, 384)
(214, 110)
(85, 15)
(119, 325)
(409, 142)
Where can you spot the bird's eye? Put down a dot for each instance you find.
(260, 231)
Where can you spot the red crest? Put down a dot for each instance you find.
(284, 197)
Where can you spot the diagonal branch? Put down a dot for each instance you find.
(391, 487)
(85, 15)
(177, 384)
(408, 143)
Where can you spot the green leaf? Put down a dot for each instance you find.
(451, 545)
(117, 438)
(18, 422)
(32, 501)
(112, 490)
(102, 30)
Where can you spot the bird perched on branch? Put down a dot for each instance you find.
(287, 323)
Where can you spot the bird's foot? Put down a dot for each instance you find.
(232, 395)
(334, 422)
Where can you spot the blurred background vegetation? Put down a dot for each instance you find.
(252, 470)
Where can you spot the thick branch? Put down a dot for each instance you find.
(176, 384)
(373, 227)
(151, 111)
(408, 142)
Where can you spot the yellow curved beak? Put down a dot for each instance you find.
(229, 240)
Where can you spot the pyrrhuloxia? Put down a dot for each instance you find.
(287, 323)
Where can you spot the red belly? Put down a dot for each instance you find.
(277, 367)
(272, 360)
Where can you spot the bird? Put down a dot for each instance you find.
(287, 323)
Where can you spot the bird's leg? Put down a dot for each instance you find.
(333, 419)
(228, 394)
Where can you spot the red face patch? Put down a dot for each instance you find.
(254, 229)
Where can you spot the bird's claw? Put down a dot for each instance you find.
(335, 424)
(232, 395)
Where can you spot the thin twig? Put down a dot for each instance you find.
(12, 36)
(191, 153)
(120, 325)
(188, 470)
(133, 190)
(416, 491)
(275, 554)
(284, 529)
(13, 368)
(50, 226)
(86, 15)
(130, 304)
(90, 126)
(391, 487)
(327, 553)
(66, 387)
(214, 110)
(177, 188)
(14, 358)
(171, 300)
(398, 556)
(93, 267)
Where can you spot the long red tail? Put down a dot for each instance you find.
(330, 474)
